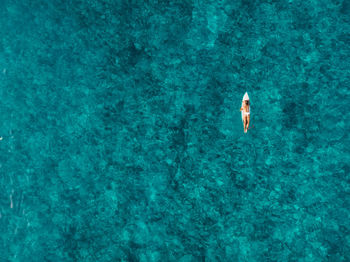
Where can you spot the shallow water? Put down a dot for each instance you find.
(123, 140)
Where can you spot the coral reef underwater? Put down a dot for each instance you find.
(123, 140)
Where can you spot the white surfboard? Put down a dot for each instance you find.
(245, 97)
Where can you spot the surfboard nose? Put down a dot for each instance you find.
(246, 97)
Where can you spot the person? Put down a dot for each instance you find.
(245, 114)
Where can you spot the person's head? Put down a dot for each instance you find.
(247, 102)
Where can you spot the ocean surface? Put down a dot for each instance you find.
(122, 138)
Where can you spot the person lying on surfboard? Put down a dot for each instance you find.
(245, 109)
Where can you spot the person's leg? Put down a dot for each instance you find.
(248, 121)
(244, 123)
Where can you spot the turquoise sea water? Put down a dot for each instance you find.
(123, 140)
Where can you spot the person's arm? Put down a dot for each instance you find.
(242, 107)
